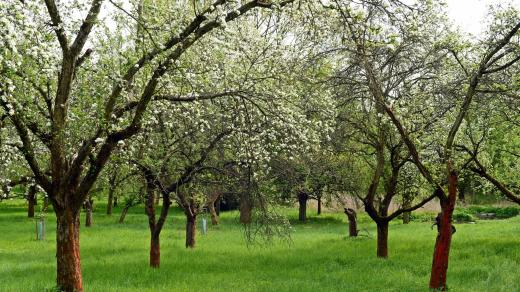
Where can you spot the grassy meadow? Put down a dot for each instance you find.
(485, 256)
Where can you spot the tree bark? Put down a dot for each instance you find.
(89, 204)
(406, 217)
(443, 242)
(246, 207)
(213, 199)
(67, 251)
(123, 214)
(352, 222)
(382, 239)
(191, 229)
(213, 212)
(110, 203)
(319, 205)
(31, 199)
(302, 201)
(217, 206)
(155, 251)
(407, 203)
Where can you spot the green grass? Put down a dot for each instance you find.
(485, 256)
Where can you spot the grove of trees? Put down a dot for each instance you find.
(262, 103)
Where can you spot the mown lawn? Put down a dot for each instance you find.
(485, 256)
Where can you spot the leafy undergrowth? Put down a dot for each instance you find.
(484, 257)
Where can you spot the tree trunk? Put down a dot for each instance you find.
(319, 205)
(352, 222)
(115, 201)
(382, 239)
(67, 251)
(302, 201)
(443, 243)
(462, 194)
(89, 204)
(110, 203)
(246, 207)
(123, 214)
(217, 206)
(155, 251)
(213, 212)
(407, 203)
(191, 229)
(31, 199)
(406, 217)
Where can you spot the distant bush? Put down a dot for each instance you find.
(500, 212)
(462, 216)
(422, 217)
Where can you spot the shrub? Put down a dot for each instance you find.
(461, 216)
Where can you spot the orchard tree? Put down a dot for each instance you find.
(78, 76)
(370, 25)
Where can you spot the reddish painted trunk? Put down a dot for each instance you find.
(302, 201)
(191, 229)
(67, 252)
(443, 242)
(155, 252)
(382, 239)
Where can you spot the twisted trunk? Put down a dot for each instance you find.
(67, 251)
(352, 222)
(213, 212)
(123, 214)
(214, 198)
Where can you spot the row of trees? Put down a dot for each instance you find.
(270, 102)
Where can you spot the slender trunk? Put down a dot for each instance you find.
(246, 207)
(110, 203)
(32, 200)
(319, 205)
(191, 229)
(217, 206)
(302, 201)
(115, 201)
(443, 243)
(155, 251)
(213, 212)
(67, 251)
(352, 222)
(123, 214)
(407, 203)
(382, 239)
(89, 204)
